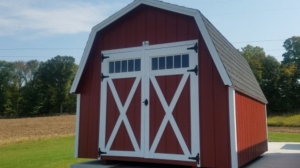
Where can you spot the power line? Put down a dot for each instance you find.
(41, 48)
(257, 11)
(15, 56)
(258, 41)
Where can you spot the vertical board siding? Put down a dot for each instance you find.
(214, 114)
(251, 128)
(169, 142)
(222, 128)
(158, 26)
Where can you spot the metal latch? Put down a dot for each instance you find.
(145, 102)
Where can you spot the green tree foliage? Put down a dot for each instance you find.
(255, 56)
(279, 82)
(270, 81)
(291, 59)
(6, 76)
(34, 88)
(55, 76)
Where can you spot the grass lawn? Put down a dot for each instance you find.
(49, 153)
(285, 120)
(283, 137)
(30, 143)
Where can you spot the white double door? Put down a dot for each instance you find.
(149, 102)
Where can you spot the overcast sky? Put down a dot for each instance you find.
(42, 29)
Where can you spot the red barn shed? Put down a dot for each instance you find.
(159, 83)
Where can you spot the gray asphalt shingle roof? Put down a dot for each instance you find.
(237, 67)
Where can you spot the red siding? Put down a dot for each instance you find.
(251, 128)
(168, 142)
(122, 140)
(158, 26)
(214, 114)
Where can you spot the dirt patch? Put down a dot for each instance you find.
(284, 129)
(25, 129)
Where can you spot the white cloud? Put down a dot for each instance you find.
(27, 18)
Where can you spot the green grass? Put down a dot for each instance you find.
(286, 120)
(59, 152)
(283, 137)
(50, 153)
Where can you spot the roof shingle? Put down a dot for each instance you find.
(237, 67)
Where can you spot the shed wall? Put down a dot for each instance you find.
(157, 26)
(251, 128)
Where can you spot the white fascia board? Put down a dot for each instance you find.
(170, 7)
(162, 5)
(77, 126)
(83, 61)
(266, 123)
(232, 125)
(212, 50)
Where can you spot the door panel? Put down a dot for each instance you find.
(120, 115)
(167, 126)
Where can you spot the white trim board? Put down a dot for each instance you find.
(162, 5)
(232, 125)
(145, 77)
(77, 126)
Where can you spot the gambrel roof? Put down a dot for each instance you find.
(231, 65)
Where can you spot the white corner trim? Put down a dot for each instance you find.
(266, 121)
(77, 126)
(212, 50)
(232, 124)
(162, 5)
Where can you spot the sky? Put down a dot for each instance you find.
(43, 29)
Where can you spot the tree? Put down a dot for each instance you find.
(270, 81)
(55, 76)
(291, 60)
(31, 102)
(5, 87)
(292, 54)
(255, 56)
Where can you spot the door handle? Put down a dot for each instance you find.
(145, 102)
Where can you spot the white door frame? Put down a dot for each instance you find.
(145, 76)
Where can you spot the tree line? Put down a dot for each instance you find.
(280, 81)
(37, 88)
(42, 88)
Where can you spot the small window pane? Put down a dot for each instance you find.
(154, 63)
(124, 66)
(162, 62)
(137, 64)
(130, 66)
(169, 62)
(177, 61)
(185, 61)
(111, 67)
(117, 66)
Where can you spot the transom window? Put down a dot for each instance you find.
(120, 66)
(170, 62)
